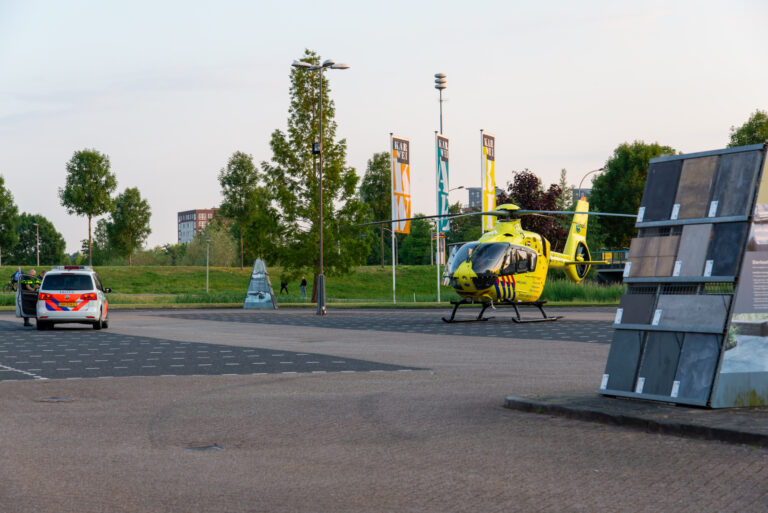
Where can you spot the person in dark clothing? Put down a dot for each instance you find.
(29, 282)
(303, 287)
(283, 285)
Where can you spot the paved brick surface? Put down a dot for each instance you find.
(427, 440)
(87, 353)
(429, 322)
(736, 425)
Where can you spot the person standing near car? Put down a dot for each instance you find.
(29, 282)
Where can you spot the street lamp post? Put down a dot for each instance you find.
(440, 84)
(586, 175)
(37, 244)
(207, 251)
(328, 63)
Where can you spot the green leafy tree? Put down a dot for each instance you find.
(753, 131)
(129, 227)
(293, 180)
(464, 228)
(565, 200)
(222, 246)
(375, 191)
(415, 247)
(261, 228)
(239, 181)
(89, 187)
(619, 190)
(9, 219)
(101, 249)
(175, 252)
(52, 246)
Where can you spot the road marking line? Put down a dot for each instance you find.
(26, 373)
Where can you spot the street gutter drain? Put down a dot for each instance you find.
(214, 447)
(55, 400)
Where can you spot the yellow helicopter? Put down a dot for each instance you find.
(508, 265)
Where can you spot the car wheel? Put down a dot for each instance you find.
(42, 325)
(105, 323)
(98, 324)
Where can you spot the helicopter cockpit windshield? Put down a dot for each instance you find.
(489, 258)
(461, 256)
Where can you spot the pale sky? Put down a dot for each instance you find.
(170, 89)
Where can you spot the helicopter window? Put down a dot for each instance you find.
(462, 255)
(518, 260)
(526, 261)
(489, 258)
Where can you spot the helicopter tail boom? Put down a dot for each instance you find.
(575, 259)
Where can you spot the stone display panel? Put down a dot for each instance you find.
(702, 240)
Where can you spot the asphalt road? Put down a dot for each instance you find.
(401, 412)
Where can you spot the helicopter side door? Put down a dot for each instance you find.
(519, 260)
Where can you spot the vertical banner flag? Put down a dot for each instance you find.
(488, 178)
(443, 224)
(401, 184)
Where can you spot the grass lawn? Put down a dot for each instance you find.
(160, 286)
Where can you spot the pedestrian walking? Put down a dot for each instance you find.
(283, 285)
(303, 287)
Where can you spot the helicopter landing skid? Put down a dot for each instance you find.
(457, 304)
(517, 318)
(538, 304)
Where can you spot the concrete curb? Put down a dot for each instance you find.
(652, 417)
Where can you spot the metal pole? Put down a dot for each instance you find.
(207, 248)
(321, 277)
(437, 259)
(431, 254)
(441, 111)
(38, 243)
(583, 177)
(394, 241)
(392, 226)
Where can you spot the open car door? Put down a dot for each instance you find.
(26, 300)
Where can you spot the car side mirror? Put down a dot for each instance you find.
(107, 290)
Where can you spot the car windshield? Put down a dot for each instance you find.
(67, 282)
(488, 258)
(462, 255)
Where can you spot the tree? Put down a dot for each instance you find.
(101, 248)
(88, 188)
(9, 219)
(415, 247)
(464, 228)
(619, 190)
(375, 191)
(565, 200)
(526, 191)
(261, 228)
(24, 252)
(294, 184)
(753, 131)
(239, 180)
(129, 227)
(222, 247)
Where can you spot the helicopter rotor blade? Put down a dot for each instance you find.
(571, 212)
(508, 214)
(437, 216)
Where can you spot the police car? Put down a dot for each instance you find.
(72, 294)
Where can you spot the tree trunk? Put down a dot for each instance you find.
(381, 238)
(90, 251)
(130, 252)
